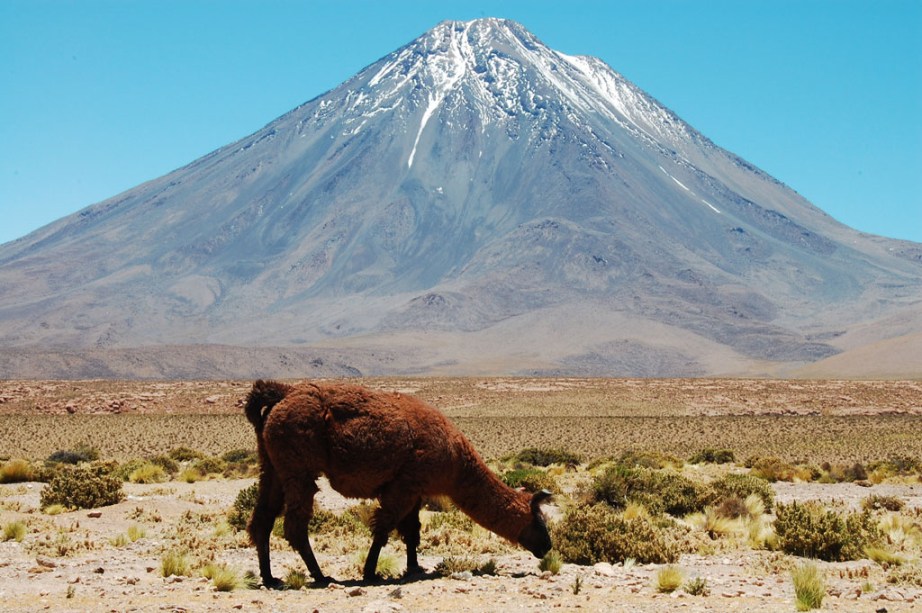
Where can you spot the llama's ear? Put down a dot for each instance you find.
(540, 498)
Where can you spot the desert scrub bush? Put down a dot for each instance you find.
(168, 464)
(82, 489)
(240, 512)
(697, 587)
(900, 531)
(174, 562)
(906, 574)
(879, 503)
(536, 456)
(740, 486)
(354, 520)
(551, 562)
(897, 465)
(774, 469)
(80, 453)
(710, 455)
(713, 523)
(657, 491)
(223, 578)
(809, 586)
(148, 473)
(842, 473)
(530, 479)
(16, 470)
(596, 533)
(209, 466)
(451, 565)
(387, 567)
(668, 579)
(812, 531)
(14, 531)
(240, 463)
(184, 454)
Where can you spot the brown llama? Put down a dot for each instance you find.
(372, 444)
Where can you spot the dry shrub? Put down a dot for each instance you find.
(17, 470)
(148, 473)
(596, 533)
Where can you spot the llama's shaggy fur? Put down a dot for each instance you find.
(372, 444)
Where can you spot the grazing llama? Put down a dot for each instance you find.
(370, 444)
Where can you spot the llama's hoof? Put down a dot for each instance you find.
(414, 571)
(322, 581)
(272, 583)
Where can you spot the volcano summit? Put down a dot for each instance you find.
(474, 202)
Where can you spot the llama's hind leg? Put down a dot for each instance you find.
(269, 503)
(408, 528)
(299, 508)
(396, 504)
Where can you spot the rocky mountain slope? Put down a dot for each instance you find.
(473, 202)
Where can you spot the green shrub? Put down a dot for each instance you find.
(658, 492)
(712, 456)
(596, 533)
(242, 509)
(740, 486)
(531, 479)
(83, 489)
(17, 470)
(545, 457)
(811, 531)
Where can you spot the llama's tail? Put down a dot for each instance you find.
(262, 397)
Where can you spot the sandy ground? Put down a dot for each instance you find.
(106, 577)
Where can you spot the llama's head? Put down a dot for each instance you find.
(535, 536)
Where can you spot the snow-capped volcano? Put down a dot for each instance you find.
(473, 202)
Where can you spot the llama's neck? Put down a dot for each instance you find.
(488, 501)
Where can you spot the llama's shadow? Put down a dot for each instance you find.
(426, 575)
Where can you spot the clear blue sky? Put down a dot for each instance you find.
(98, 96)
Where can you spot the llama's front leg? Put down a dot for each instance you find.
(269, 504)
(299, 508)
(409, 530)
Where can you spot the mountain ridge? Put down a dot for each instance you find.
(470, 178)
